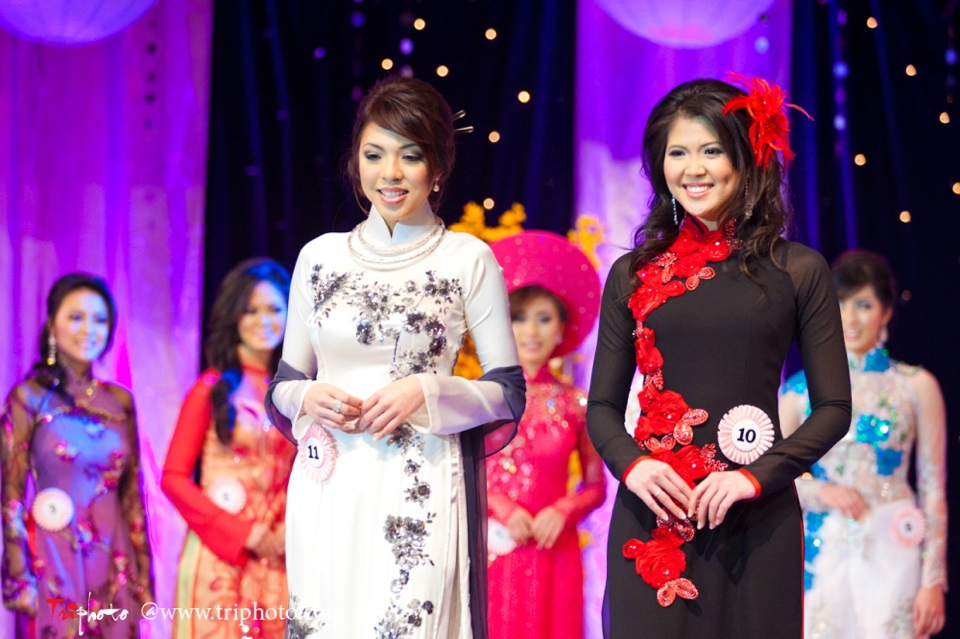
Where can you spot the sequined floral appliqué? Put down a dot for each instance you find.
(666, 422)
(873, 456)
(407, 538)
(303, 621)
(411, 315)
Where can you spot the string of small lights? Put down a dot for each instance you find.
(415, 29)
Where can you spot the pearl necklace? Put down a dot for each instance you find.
(397, 253)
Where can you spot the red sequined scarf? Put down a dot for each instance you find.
(666, 422)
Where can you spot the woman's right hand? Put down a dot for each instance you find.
(520, 525)
(660, 488)
(848, 501)
(332, 406)
(265, 543)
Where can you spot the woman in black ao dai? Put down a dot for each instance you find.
(705, 535)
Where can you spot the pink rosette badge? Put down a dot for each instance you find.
(228, 493)
(499, 541)
(744, 433)
(52, 509)
(317, 452)
(908, 526)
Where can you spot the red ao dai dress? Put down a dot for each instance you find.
(241, 484)
(538, 593)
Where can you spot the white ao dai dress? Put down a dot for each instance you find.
(377, 530)
(861, 577)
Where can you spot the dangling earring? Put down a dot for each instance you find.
(674, 201)
(884, 334)
(51, 350)
(436, 187)
(746, 195)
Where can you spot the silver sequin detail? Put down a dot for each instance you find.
(407, 538)
(302, 622)
(410, 316)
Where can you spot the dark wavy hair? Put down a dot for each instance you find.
(220, 346)
(53, 376)
(414, 109)
(704, 100)
(857, 268)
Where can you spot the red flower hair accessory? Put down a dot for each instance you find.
(766, 104)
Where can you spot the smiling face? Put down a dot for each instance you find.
(261, 326)
(538, 329)
(81, 327)
(863, 317)
(394, 174)
(698, 171)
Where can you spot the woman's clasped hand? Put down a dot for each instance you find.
(379, 415)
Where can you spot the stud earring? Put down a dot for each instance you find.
(674, 201)
(51, 350)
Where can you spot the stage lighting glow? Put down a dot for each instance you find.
(70, 22)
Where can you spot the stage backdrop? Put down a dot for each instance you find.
(102, 169)
(626, 60)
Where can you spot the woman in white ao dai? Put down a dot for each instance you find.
(875, 553)
(380, 525)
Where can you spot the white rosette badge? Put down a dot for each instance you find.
(908, 526)
(744, 434)
(499, 541)
(317, 452)
(52, 509)
(228, 493)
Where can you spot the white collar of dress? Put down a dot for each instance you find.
(415, 226)
(417, 235)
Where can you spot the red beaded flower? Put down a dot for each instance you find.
(653, 291)
(766, 105)
(666, 420)
(649, 359)
(662, 409)
(659, 560)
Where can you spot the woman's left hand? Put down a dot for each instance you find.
(547, 526)
(928, 612)
(390, 406)
(712, 498)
